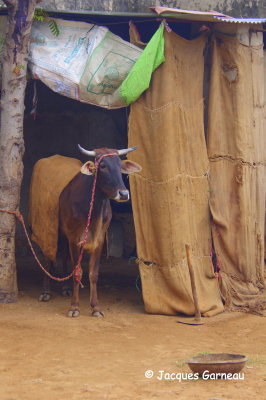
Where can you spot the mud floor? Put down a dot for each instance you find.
(45, 355)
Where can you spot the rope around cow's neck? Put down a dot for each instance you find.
(76, 273)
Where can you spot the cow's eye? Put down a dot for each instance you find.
(102, 165)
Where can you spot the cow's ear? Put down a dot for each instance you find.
(130, 167)
(88, 168)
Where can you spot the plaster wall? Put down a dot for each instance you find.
(236, 8)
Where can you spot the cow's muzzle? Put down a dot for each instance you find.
(122, 195)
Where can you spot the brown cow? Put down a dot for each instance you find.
(73, 213)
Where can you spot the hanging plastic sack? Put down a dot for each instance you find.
(89, 63)
(85, 62)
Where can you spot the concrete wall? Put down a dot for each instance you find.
(236, 8)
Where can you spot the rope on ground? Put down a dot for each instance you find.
(19, 216)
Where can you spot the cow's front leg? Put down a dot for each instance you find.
(66, 289)
(45, 295)
(94, 265)
(74, 307)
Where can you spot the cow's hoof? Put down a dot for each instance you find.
(73, 313)
(98, 314)
(45, 297)
(66, 292)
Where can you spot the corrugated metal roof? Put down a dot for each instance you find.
(208, 16)
(212, 13)
(242, 20)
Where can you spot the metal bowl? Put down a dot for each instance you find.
(217, 363)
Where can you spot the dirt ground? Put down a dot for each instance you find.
(46, 355)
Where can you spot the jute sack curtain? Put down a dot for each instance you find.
(170, 195)
(264, 53)
(236, 148)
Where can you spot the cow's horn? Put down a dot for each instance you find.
(87, 152)
(125, 151)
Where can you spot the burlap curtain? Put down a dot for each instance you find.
(265, 150)
(236, 149)
(170, 196)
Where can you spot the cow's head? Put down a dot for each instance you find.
(110, 170)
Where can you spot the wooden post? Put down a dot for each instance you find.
(19, 21)
(193, 284)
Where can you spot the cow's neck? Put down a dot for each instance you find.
(101, 201)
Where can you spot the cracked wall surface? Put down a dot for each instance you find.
(236, 8)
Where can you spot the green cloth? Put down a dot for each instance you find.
(139, 77)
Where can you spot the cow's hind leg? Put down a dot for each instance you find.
(74, 307)
(46, 286)
(94, 265)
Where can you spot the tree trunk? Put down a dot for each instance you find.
(19, 20)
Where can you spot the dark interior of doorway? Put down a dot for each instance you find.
(59, 125)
